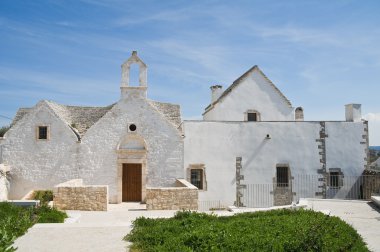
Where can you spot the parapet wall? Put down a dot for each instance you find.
(73, 195)
(184, 196)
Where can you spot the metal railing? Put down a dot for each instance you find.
(331, 186)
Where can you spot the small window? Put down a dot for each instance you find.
(282, 176)
(252, 117)
(335, 178)
(197, 178)
(43, 133)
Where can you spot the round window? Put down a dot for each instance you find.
(132, 127)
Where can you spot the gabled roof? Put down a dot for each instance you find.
(80, 119)
(243, 77)
(171, 112)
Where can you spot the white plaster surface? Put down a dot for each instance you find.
(39, 164)
(217, 144)
(256, 93)
(42, 164)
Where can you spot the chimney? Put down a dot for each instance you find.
(353, 112)
(216, 92)
(299, 114)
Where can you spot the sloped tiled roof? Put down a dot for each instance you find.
(77, 117)
(241, 78)
(170, 111)
(80, 119)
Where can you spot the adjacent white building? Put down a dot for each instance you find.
(137, 143)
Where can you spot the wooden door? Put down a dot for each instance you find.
(132, 182)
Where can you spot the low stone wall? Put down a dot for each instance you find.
(282, 196)
(184, 196)
(73, 195)
(371, 184)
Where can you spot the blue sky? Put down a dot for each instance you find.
(320, 54)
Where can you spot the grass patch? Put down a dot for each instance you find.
(15, 221)
(277, 230)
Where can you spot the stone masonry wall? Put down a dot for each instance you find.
(371, 184)
(73, 195)
(182, 197)
(282, 196)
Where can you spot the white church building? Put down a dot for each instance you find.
(250, 135)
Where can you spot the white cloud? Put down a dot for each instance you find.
(372, 117)
(374, 128)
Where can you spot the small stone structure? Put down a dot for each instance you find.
(182, 197)
(371, 183)
(282, 196)
(74, 195)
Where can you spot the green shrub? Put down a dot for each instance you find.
(46, 214)
(44, 196)
(277, 230)
(3, 130)
(15, 221)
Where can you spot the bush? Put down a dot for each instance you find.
(44, 196)
(46, 214)
(15, 221)
(277, 230)
(3, 130)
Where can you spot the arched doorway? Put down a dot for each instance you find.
(131, 169)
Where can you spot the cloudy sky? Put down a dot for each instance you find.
(320, 54)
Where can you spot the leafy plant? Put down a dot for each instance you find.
(15, 221)
(277, 230)
(46, 214)
(3, 130)
(44, 196)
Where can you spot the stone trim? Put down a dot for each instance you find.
(282, 195)
(198, 167)
(37, 130)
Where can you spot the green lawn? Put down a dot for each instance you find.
(277, 230)
(15, 221)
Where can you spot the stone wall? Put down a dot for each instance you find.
(371, 184)
(282, 196)
(73, 195)
(182, 197)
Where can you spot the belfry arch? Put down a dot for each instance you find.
(126, 71)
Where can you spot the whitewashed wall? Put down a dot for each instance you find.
(217, 144)
(254, 92)
(98, 160)
(42, 164)
(39, 164)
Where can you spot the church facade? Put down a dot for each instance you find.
(137, 143)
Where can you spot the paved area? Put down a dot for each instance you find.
(104, 231)
(362, 215)
(87, 231)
